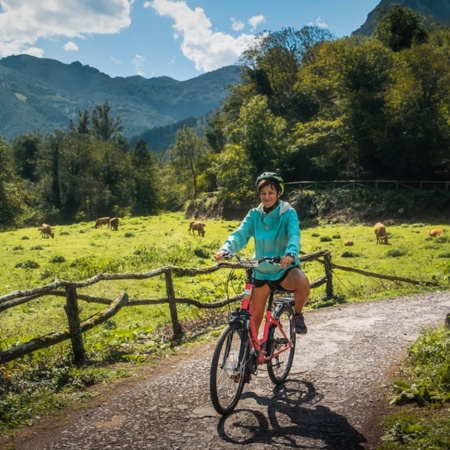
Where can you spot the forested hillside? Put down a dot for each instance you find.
(38, 94)
(308, 105)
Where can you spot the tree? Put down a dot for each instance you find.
(11, 194)
(400, 28)
(270, 67)
(25, 149)
(188, 157)
(83, 123)
(104, 127)
(417, 137)
(260, 134)
(347, 82)
(146, 175)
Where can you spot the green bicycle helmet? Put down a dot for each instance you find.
(271, 176)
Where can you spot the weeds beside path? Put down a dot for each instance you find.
(335, 396)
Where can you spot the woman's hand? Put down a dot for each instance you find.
(286, 261)
(220, 254)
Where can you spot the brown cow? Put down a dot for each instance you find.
(197, 226)
(348, 243)
(102, 221)
(46, 231)
(114, 223)
(435, 233)
(380, 233)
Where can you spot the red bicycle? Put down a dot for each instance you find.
(239, 351)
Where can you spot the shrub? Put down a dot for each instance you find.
(28, 264)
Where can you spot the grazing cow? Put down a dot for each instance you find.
(348, 243)
(46, 231)
(102, 221)
(114, 223)
(435, 233)
(197, 226)
(380, 233)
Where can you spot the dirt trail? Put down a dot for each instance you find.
(335, 396)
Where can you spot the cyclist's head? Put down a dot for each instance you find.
(272, 179)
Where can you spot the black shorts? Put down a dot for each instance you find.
(274, 284)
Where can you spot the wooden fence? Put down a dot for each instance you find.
(77, 327)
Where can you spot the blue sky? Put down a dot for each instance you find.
(178, 38)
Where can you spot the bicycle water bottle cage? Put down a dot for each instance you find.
(239, 316)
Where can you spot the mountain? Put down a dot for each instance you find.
(436, 10)
(38, 94)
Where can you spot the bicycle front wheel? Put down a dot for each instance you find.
(281, 344)
(228, 368)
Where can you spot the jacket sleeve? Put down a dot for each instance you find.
(294, 234)
(239, 239)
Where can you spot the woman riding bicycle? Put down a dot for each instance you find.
(274, 226)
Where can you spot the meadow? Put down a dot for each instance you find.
(79, 251)
(47, 379)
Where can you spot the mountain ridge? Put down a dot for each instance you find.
(435, 10)
(41, 94)
(47, 94)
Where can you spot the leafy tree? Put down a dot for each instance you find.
(25, 149)
(400, 28)
(188, 158)
(346, 82)
(270, 67)
(104, 127)
(234, 179)
(146, 175)
(417, 138)
(260, 134)
(11, 194)
(83, 123)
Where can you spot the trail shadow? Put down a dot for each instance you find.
(293, 419)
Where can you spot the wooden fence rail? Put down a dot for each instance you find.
(76, 327)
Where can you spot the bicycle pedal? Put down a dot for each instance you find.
(282, 341)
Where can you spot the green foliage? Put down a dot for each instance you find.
(350, 254)
(28, 264)
(426, 381)
(400, 28)
(397, 252)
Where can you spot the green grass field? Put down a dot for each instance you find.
(79, 251)
(141, 244)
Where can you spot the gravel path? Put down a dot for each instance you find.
(335, 396)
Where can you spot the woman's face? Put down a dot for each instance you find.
(268, 196)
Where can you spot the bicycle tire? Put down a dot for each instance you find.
(279, 366)
(228, 368)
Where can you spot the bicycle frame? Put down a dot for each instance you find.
(263, 354)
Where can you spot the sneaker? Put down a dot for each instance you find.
(299, 322)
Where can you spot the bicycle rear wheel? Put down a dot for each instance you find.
(281, 344)
(228, 368)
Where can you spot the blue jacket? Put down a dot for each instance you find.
(275, 233)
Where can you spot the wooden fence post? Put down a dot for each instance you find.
(177, 331)
(329, 275)
(73, 316)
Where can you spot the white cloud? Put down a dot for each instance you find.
(23, 22)
(320, 23)
(71, 47)
(237, 25)
(138, 63)
(255, 21)
(209, 50)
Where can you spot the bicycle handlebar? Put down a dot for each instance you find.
(253, 262)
